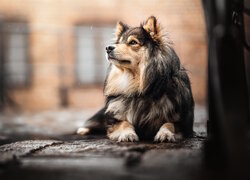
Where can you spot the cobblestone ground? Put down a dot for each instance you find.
(44, 146)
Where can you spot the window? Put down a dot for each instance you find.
(16, 65)
(91, 63)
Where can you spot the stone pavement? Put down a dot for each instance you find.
(33, 150)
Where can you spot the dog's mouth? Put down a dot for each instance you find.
(121, 61)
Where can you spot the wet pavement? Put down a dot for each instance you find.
(44, 146)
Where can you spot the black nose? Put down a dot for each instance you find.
(109, 49)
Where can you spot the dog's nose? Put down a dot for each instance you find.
(109, 49)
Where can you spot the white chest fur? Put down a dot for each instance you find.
(120, 82)
(125, 79)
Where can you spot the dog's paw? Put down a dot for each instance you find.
(125, 135)
(82, 131)
(164, 134)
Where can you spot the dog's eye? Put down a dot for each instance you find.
(133, 42)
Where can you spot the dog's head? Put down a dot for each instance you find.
(134, 45)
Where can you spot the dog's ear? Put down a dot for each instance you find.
(153, 28)
(120, 29)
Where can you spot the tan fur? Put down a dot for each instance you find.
(135, 39)
(115, 107)
(137, 87)
(137, 55)
(153, 28)
(166, 133)
(119, 28)
(82, 131)
(170, 127)
(134, 72)
(116, 85)
(119, 126)
(122, 131)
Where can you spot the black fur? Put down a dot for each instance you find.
(167, 96)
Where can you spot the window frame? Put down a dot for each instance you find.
(96, 82)
(6, 32)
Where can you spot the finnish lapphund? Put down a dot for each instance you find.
(147, 90)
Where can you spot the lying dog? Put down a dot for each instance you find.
(148, 93)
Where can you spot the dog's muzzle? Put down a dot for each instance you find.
(109, 49)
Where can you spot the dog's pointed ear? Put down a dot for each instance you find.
(152, 27)
(120, 29)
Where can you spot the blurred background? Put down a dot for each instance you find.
(52, 57)
(52, 69)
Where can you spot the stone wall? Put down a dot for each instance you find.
(52, 43)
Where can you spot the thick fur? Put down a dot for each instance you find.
(146, 86)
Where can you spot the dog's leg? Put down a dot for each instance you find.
(82, 131)
(122, 132)
(95, 124)
(166, 133)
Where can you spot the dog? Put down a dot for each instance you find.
(148, 92)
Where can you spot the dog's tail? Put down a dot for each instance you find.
(97, 124)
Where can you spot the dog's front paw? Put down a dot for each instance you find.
(125, 135)
(122, 132)
(164, 134)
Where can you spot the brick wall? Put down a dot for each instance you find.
(52, 43)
